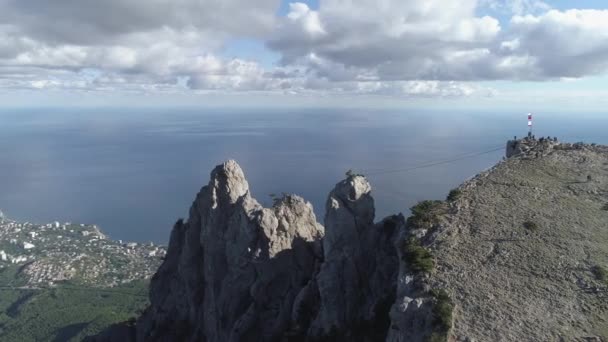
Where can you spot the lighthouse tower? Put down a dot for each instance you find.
(529, 125)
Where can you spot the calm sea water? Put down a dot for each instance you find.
(134, 172)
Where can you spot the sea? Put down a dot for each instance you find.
(134, 172)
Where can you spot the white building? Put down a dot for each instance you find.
(27, 245)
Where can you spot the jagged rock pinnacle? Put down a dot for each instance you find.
(236, 271)
(228, 182)
(233, 265)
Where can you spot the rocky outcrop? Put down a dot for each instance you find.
(236, 271)
(357, 280)
(530, 145)
(411, 314)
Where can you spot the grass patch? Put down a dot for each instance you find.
(454, 195)
(531, 226)
(426, 214)
(418, 258)
(442, 316)
(600, 273)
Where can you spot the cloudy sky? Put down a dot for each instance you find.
(468, 52)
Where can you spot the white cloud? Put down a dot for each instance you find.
(389, 39)
(400, 48)
(443, 40)
(88, 22)
(130, 43)
(560, 44)
(300, 14)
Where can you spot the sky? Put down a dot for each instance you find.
(442, 53)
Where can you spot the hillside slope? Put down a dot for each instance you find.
(520, 247)
(64, 281)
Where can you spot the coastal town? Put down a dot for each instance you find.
(43, 255)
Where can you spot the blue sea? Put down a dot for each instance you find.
(134, 172)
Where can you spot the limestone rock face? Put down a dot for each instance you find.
(412, 311)
(513, 148)
(358, 277)
(236, 271)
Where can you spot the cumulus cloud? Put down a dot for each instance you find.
(128, 42)
(558, 44)
(406, 48)
(86, 22)
(444, 40)
(240, 75)
(388, 39)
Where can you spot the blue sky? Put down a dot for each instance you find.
(467, 53)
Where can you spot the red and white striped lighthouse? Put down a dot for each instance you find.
(529, 124)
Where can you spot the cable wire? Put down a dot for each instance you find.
(435, 163)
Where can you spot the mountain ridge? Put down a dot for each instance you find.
(238, 272)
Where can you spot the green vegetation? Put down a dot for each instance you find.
(351, 173)
(442, 316)
(71, 282)
(531, 226)
(454, 195)
(418, 258)
(9, 277)
(600, 273)
(425, 214)
(67, 312)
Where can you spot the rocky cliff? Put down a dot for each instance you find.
(236, 271)
(515, 254)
